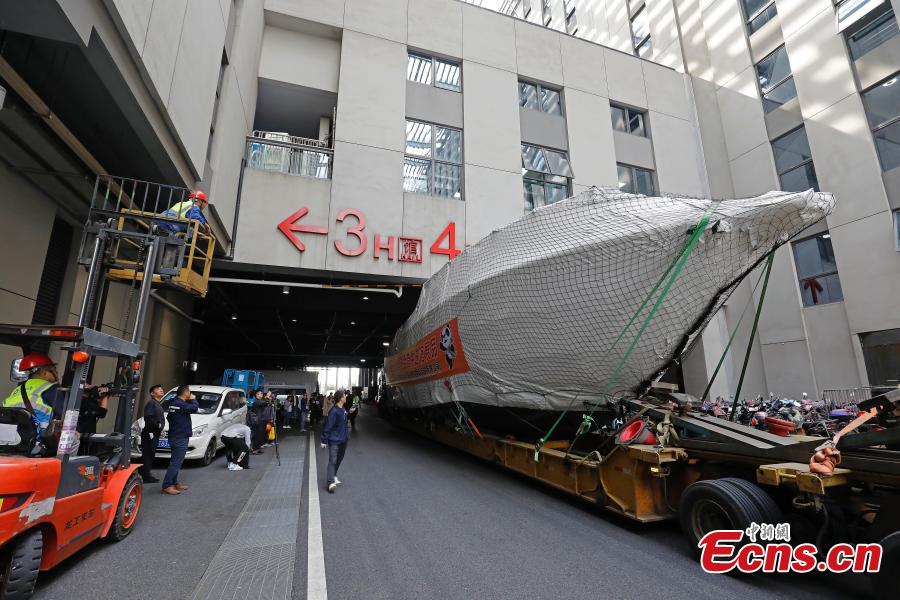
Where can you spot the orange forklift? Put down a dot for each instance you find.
(61, 489)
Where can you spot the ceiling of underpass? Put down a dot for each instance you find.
(256, 326)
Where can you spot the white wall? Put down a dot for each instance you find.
(300, 59)
(179, 48)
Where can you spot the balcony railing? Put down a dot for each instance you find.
(843, 398)
(289, 154)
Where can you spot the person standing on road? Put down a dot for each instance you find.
(257, 424)
(154, 422)
(304, 410)
(354, 410)
(237, 442)
(334, 435)
(288, 412)
(180, 410)
(268, 418)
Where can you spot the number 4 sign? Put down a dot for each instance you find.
(449, 234)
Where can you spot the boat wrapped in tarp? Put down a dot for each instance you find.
(593, 296)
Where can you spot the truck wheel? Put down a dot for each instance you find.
(887, 580)
(715, 504)
(19, 566)
(127, 511)
(771, 513)
(210, 453)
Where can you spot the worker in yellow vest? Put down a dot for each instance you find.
(38, 393)
(192, 208)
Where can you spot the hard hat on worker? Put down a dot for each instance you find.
(198, 195)
(35, 360)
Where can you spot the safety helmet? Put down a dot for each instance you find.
(198, 195)
(35, 360)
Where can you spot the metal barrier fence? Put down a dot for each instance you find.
(845, 397)
(292, 155)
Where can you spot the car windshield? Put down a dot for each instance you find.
(208, 401)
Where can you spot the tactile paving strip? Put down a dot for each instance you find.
(256, 560)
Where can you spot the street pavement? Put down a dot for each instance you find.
(414, 519)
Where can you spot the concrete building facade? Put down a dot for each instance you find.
(370, 140)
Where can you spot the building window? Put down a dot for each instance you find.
(817, 270)
(776, 82)
(850, 12)
(433, 161)
(897, 230)
(640, 33)
(867, 35)
(757, 13)
(434, 71)
(883, 109)
(514, 8)
(546, 12)
(629, 120)
(534, 96)
(634, 180)
(881, 352)
(793, 161)
(571, 19)
(547, 176)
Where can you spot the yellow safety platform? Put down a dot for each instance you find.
(193, 277)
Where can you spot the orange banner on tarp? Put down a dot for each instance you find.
(436, 356)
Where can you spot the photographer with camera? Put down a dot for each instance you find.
(94, 401)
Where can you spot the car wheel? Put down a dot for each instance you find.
(19, 565)
(210, 453)
(128, 508)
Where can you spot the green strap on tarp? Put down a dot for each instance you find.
(675, 270)
(762, 296)
(730, 340)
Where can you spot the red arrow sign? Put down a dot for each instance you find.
(289, 228)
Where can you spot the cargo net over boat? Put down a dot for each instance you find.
(588, 299)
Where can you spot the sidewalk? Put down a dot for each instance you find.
(256, 560)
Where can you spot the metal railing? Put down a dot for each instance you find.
(289, 154)
(851, 396)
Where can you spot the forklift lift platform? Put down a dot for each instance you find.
(134, 206)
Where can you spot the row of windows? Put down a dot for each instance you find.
(640, 32)
(882, 102)
(532, 96)
(433, 166)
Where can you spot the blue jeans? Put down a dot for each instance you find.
(335, 456)
(179, 449)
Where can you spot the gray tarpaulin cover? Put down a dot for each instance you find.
(529, 316)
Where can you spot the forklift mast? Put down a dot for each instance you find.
(129, 238)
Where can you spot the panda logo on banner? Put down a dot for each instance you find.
(437, 355)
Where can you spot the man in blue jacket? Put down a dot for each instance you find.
(334, 435)
(179, 417)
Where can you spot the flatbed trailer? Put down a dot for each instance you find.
(859, 501)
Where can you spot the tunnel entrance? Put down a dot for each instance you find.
(280, 323)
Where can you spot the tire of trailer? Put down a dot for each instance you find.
(887, 580)
(771, 512)
(715, 504)
(20, 564)
(127, 510)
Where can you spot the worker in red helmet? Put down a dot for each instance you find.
(38, 393)
(192, 208)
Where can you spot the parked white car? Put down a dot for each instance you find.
(220, 407)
